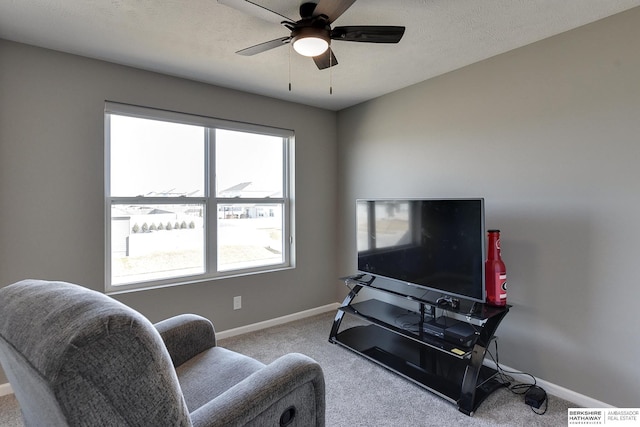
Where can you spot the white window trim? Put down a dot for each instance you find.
(210, 200)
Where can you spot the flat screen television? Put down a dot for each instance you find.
(435, 244)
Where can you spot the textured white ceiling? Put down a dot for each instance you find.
(197, 39)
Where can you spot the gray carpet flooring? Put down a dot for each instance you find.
(361, 393)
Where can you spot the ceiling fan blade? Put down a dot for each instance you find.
(326, 60)
(263, 47)
(254, 9)
(332, 8)
(368, 33)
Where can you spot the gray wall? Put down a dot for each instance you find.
(549, 135)
(52, 180)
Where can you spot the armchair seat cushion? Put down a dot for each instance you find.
(199, 386)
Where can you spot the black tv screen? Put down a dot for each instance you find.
(435, 244)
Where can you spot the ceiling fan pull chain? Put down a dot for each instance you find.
(330, 72)
(289, 67)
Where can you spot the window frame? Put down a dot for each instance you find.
(210, 199)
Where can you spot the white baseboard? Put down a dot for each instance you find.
(5, 389)
(277, 321)
(580, 400)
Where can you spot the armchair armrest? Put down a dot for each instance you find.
(185, 336)
(292, 381)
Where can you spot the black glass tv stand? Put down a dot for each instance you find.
(417, 344)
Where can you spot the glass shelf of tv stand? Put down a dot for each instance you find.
(467, 309)
(403, 322)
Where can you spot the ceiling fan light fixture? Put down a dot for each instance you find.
(308, 41)
(310, 46)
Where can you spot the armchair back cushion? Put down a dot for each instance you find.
(78, 357)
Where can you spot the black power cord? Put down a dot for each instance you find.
(534, 395)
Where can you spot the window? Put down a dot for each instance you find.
(191, 198)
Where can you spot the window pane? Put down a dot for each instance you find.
(156, 159)
(248, 164)
(249, 235)
(152, 242)
(187, 201)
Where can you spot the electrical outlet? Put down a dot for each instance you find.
(237, 303)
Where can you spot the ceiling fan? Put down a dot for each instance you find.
(312, 34)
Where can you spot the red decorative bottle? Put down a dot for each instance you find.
(495, 272)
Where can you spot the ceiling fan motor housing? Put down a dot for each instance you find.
(323, 33)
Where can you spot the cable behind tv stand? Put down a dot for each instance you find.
(444, 354)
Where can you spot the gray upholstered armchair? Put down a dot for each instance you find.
(77, 357)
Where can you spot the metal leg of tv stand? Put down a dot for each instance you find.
(469, 400)
(340, 314)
